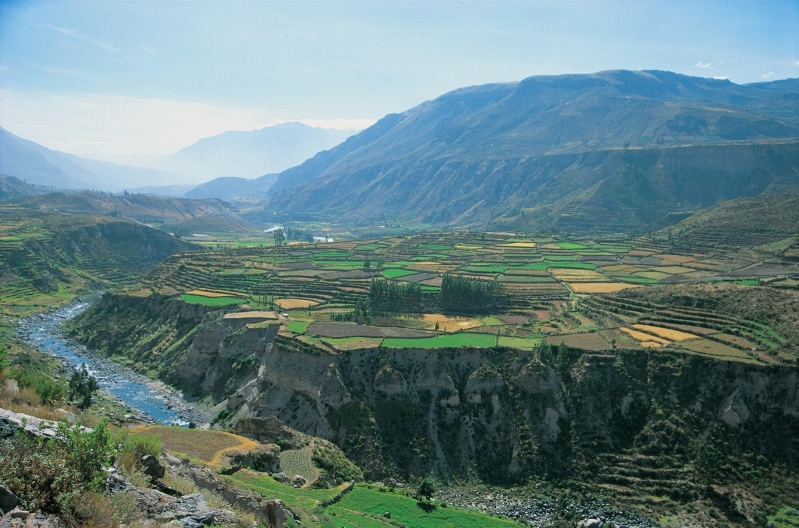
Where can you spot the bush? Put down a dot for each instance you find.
(48, 474)
(426, 488)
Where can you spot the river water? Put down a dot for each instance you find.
(147, 400)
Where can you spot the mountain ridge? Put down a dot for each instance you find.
(477, 137)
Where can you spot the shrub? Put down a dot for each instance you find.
(48, 474)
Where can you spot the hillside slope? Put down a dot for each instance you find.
(173, 213)
(533, 153)
(743, 222)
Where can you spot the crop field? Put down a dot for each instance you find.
(410, 512)
(443, 341)
(211, 301)
(298, 462)
(325, 287)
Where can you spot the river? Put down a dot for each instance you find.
(148, 400)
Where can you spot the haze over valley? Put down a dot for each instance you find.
(399, 264)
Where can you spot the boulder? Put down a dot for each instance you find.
(590, 523)
(8, 501)
(152, 467)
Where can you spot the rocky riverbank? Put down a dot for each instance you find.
(143, 399)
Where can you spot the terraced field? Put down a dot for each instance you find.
(586, 288)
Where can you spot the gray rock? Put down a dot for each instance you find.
(152, 467)
(8, 501)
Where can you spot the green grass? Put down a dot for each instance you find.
(786, 517)
(742, 282)
(426, 288)
(369, 247)
(340, 264)
(410, 512)
(560, 258)
(522, 343)
(272, 489)
(443, 341)
(211, 301)
(573, 265)
(298, 327)
(394, 273)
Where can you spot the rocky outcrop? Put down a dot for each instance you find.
(272, 512)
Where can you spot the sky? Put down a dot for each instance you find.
(125, 79)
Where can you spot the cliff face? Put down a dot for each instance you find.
(635, 422)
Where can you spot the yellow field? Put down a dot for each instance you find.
(519, 245)
(289, 304)
(600, 287)
(209, 446)
(644, 338)
(640, 252)
(215, 293)
(450, 324)
(651, 344)
(250, 315)
(666, 333)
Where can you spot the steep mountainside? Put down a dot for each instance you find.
(174, 213)
(251, 154)
(605, 152)
(42, 166)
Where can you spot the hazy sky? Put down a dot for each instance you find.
(111, 78)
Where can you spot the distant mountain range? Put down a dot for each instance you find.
(252, 154)
(38, 165)
(243, 155)
(607, 152)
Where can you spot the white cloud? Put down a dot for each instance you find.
(704, 65)
(796, 63)
(111, 127)
(722, 78)
(767, 75)
(84, 38)
(4, 68)
(149, 50)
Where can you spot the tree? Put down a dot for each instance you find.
(426, 488)
(82, 386)
(279, 237)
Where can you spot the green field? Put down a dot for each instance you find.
(211, 301)
(522, 343)
(786, 518)
(410, 512)
(298, 327)
(463, 339)
(394, 273)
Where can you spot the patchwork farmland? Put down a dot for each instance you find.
(594, 295)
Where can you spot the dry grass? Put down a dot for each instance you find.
(600, 287)
(642, 337)
(674, 270)
(26, 401)
(210, 447)
(669, 260)
(298, 462)
(290, 304)
(450, 324)
(666, 333)
(578, 275)
(250, 315)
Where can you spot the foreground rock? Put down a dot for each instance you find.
(273, 512)
(8, 501)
